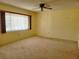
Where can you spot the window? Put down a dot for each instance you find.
(16, 22)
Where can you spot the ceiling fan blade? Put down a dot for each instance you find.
(37, 8)
(47, 8)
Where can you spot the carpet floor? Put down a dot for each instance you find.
(40, 48)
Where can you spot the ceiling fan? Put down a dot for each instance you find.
(44, 6)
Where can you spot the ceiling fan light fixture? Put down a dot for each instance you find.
(43, 5)
(42, 9)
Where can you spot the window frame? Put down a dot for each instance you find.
(3, 22)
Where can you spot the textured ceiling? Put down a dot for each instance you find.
(33, 4)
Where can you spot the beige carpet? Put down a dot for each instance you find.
(39, 48)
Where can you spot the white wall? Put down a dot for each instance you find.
(60, 24)
(78, 27)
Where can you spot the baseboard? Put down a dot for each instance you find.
(58, 39)
(16, 40)
(77, 42)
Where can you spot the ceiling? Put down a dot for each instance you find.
(33, 4)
